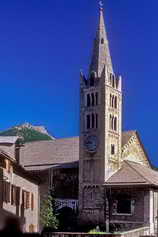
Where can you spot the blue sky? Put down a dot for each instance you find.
(45, 43)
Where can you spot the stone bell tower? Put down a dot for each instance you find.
(100, 128)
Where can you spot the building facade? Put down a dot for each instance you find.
(101, 125)
(115, 185)
(19, 195)
(104, 175)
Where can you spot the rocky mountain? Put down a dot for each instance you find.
(28, 133)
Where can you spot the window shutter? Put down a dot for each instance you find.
(4, 191)
(23, 198)
(27, 200)
(12, 199)
(32, 201)
(17, 196)
(13, 195)
(7, 192)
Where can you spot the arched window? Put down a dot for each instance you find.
(96, 98)
(113, 81)
(115, 124)
(111, 78)
(92, 78)
(115, 102)
(111, 121)
(112, 149)
(92, 95)
(110, 100)
(102, 41)
(88, 100)
(117, 83)
(88, 121)
(93, 120)
(96, 120)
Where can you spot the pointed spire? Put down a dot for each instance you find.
(101, 53)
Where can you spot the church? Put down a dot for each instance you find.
(105, 174)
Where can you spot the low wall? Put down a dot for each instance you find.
(144, 231)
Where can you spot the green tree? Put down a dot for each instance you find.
(47, 213)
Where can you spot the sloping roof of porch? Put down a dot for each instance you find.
(132, 173)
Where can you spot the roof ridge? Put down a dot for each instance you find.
(53, 140)
(137, 170)
(129, 131)
(67, 137)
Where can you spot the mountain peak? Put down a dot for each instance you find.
(28, 132)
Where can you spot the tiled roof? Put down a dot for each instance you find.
(56, 151)
(50, 152)
(54, 166)
(133, 173)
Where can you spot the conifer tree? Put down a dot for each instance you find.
(47, 214)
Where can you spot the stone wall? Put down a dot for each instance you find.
(139, 215)
(133, 233)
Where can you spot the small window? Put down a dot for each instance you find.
(113, 82)
(93, 120)
(92, 95)
(110, 122)
(110, 100)
(88, 121)
(124, 205)
(115, 102)
(102, 41)
(112, 149)
(88, 100)
(115, 124)
(96, 98)
(92, 79)
(96, 120)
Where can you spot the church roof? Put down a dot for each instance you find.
(44, 154)
(133, 173)
(101, 53)
(126, 135)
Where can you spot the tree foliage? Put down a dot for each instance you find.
(47, 214)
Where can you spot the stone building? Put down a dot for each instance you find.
(116, 183)
(104, 174)
(19, 196)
